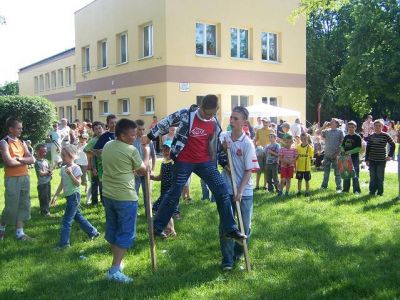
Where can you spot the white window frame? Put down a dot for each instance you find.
(53, 79)
(36, 84)
(238, 43)
(68, 76)
(121, 106)
(86, 59)
(47, 81)
(150, 41)
(145, 100)
(124, 34)
(41, 83)
(103, 53)
(239, 100)
(267, 100)
(104, 104)
(61, 112)
(205, 39)
(69, 114)
(60, 74)
(268, 46)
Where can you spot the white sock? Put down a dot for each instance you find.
(2, 228)
(19, 232)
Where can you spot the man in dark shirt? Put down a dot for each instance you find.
(375, 157)
(352, 145)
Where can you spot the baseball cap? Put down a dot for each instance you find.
(266, 119)
(168, 143)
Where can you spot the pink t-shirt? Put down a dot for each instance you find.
(287, 156)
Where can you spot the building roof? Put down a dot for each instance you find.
(49, 59)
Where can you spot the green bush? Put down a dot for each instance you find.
(36, 114)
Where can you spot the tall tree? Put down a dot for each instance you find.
(9, 89)
(370, 80)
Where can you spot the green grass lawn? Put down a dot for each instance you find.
(323, 246)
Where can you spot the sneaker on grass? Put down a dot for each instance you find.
(119, 277)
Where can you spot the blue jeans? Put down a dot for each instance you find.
(376, 176)
(205, 191)
(209, 173)
(120, 222)
(328, 161)
(141, 181)
(72, 213)
(356, 183)
(231, 250)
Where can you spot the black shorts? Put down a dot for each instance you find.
(303, 175)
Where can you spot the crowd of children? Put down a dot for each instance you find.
(117, 161)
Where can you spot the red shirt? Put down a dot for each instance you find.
(196, 148)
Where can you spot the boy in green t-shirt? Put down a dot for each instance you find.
(120, 162)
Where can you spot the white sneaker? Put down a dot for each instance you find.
(119, 277)
(357, 194)
(338, 191)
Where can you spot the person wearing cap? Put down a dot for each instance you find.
(261, 140)
(352, 145)
(165, 177)
(333, 140)
(56, 137)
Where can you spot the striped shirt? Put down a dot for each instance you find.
(376, 147)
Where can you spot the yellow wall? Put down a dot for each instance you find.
(174, 38)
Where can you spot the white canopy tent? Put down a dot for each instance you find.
(267, 110)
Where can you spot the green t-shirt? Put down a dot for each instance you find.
(89, 147)
(119, 162)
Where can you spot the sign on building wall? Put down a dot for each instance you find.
(184, 86)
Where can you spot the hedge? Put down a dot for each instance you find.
(36, 113)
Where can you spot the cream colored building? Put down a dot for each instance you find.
(137, 58)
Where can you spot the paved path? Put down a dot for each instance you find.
(391, 167)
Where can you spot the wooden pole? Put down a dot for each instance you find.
(149, 216)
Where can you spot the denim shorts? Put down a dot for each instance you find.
(120, 222)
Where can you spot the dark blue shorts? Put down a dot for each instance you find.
(120, 222)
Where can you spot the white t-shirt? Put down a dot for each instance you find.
(243, 158)
(68, 185)
(82, 158)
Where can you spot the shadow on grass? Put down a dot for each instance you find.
(382, 205)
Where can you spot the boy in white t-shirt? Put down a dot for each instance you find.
(244, 160)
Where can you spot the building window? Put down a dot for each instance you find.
(41, 83)
(60, 77)
(206, 39)
(61, 112)
(104, 110)
(102, 51)
(69, 114)
(270, 100)
(147, 41)
(47, 81)
(68, 76)
(53, 79)
(148, 103)
(123, 48)
(239, 43)
(269, 46)
(85, 59)
(123, 106)
(36, 84)
(239, 101)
